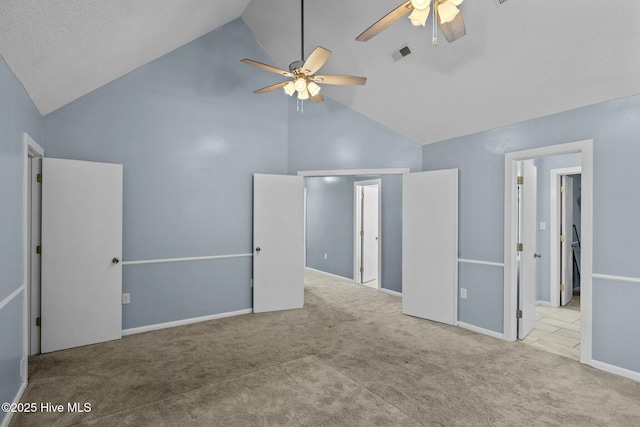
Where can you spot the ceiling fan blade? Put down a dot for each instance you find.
(453, 30)
(385, 21)
(317, 98)
(272, 87)
(340, 80)
(316, 60)
(267, 67)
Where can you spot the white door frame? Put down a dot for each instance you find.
(31, 150)
(554, 230)
(510, 283)
(356, 221)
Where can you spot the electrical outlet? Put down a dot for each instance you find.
(325, 256)
(126, 298)
(463, 293)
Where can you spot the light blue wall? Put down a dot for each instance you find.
(543, 267)
(614, 127)
(17, 115)
(330, 224)
(190, 134)
(330, 136)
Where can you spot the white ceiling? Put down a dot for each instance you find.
(521, 60)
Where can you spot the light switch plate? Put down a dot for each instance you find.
(543, 225)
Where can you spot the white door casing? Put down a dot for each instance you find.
(278, 240)
(566, 277)
(370, 236)
(430, 245)
(81, 249)
(527, 293)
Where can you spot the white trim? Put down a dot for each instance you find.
(510, 286)
(11, 296)
(480, 330)
(616, 278)
(390, 292)
(356, 172)
(554, 230)
(545, 303)
(475, 261)
(197, 258)
(7, 419)
(331, 274)
(356, 221)
(183, 322)
(616, 370)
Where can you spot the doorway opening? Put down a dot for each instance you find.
(367, 229)
(533, 302)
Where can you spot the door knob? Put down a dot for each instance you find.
(115, 260)
(258, 249)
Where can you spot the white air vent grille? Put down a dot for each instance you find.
(400, 53)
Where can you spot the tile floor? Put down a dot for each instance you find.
(557, 330)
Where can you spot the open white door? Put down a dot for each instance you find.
(278, 240)
(527, 288)
(566, 239)
(370, 233)
(430, 245)
(81, 251)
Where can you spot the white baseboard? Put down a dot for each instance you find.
(330, 274)
(390, 292)
(480, 330)
(183, 322)
(545, 304)
(7, 418)
(616, 370)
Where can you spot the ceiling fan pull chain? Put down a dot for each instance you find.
(435, 23)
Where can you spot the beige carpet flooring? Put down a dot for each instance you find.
(348, 358)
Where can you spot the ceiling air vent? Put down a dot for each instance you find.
(400, 53)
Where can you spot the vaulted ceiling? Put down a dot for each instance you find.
(521, 60)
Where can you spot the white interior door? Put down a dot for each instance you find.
(35, 193)
(527, 289)
(81, 249)
(278, 240)
(430, 245)
(566, 239)
(370, 233)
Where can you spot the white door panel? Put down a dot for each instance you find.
(278, 239)
(430, 245)
(81, 235)
(370, 237)
(527, 292)
(566, 277)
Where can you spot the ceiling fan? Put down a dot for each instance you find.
(303, 73)
(445, 13)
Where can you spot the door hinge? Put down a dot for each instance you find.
(39, 177)
(519, 248)
(361, 232)
(561, 288)
(562, 238)
(519, 314)
(38, 321)
(361, 269)
(562, 188)
(520, 180)
(39, 250)
(362, 195)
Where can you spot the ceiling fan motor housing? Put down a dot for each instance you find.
(295, 65)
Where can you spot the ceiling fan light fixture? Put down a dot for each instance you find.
(303, 94)
(420, 4)
(289, 88)
(447, 11)
(300, 85)
(313, 89)
(419, 16)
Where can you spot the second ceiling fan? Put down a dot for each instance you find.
(303, 73)
(445, 13)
